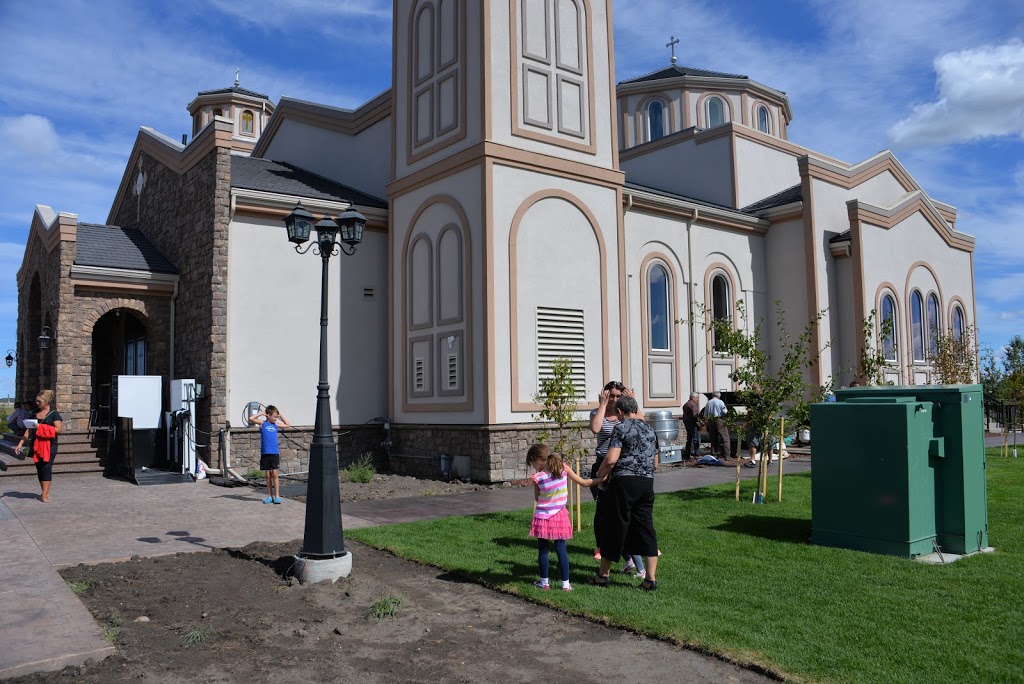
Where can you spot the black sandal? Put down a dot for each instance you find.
(648, 585)
(600, 580)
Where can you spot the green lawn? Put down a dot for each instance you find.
(742, 581)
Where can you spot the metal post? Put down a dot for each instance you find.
(323, 536)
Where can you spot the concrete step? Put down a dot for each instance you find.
(27, 468)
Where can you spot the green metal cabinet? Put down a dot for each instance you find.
(873, 482)
(961, 493)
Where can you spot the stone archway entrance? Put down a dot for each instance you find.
(120, 346)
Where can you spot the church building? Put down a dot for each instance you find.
(522, 205)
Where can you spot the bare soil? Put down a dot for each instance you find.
(386, 486)
(235, 615)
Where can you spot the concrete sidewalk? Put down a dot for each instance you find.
(89, 519)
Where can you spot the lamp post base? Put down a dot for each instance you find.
(313, 570)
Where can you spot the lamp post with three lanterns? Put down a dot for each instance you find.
(323, 555)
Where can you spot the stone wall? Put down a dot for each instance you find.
(45, 272)
(353, 442)
(186, 217)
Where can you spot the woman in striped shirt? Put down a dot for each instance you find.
(550, 519)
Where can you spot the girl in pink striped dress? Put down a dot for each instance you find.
(550, 519)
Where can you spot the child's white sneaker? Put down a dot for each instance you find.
(629, 567)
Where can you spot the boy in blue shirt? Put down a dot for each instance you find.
(270, 420)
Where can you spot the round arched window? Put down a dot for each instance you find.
(917, 332)
(658, 309)
(655, 120)
(721, 307)
(764, 122)
(716, 112)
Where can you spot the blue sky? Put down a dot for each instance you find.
(941, 82)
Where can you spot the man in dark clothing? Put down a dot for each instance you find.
(690, 411)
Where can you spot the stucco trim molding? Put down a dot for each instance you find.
(891, 216)
(347, 121)
(50, 228)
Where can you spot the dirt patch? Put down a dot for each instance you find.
(232, 616)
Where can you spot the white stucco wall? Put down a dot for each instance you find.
(762, 171)
(602, 129)
(701, 171)
(554, 270)
(466, 190)
(360, 161)
(273, 325)
(786, 280)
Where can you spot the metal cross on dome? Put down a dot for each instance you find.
(672, 44)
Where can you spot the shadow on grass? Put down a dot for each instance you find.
(790, 530)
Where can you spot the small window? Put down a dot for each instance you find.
(958, 324)
(658, 305)
(655, 120)
(764, 120)
(888, 328)
(917, 325)
(720, 296)
(218, 112)
(716, 112)
(933, 325)
(247, 122)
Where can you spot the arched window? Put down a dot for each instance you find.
(917, 325)
(721, 308)
(716, 112)
(655, 120)
(218, 112)
(889, 328)
(958, 323)
(247, 122)
(933, 325)
(659, 308)
(763, 120)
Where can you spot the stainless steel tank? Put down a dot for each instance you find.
(665, 426)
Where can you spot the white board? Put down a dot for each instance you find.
(140, 397)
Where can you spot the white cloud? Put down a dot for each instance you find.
(981, 95)
(31, 135)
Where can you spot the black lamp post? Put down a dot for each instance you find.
(11, 357)
(323, 538)
(45, 338)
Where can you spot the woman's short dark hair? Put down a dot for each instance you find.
(615, 385)
(627, 405)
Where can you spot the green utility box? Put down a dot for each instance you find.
(961, 497)
(874, 480)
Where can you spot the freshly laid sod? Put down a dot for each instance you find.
(742, 581)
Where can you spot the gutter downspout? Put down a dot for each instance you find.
(691, 322)
(629, 354)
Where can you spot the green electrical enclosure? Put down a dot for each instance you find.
(900, 470)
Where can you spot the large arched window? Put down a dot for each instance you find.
(889, 328)
(715, 111)
(655, 120)
(933, 325)
(917, 325)
(659, 308)
(721, 309)
(958, 323)
(764, 122)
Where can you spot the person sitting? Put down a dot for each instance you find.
(16, 419)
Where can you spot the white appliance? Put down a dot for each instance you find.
(183, 399)
(140, 397)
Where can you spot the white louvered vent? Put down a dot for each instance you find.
(560, 333)
(418, 375)
(453, 371)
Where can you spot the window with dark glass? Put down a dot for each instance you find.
(763, 120)
(917, 325)
(888, 328)
(658, 309)
(721, 309)
(716, 112)
(655, 120)
(958, 323)
(933, 325)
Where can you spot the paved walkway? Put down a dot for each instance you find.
(89, 519)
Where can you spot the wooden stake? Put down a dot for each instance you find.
(782, 443)
(739, 440)
(579, 498)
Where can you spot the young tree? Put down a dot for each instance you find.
(992, 374)
(872, 354)
(560, 399)
(955, 358)
(765, 386)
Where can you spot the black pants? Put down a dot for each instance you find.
(721, 445)
(627, 518)
(44, 470)
(692, 440)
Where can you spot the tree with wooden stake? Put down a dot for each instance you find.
(765, 387)
(955, 358)
(560, 400)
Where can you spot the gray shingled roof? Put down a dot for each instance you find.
(675, 71)
(673, 195)
(779, 199)
(270, 176)
(115, 247)
(235, 89)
